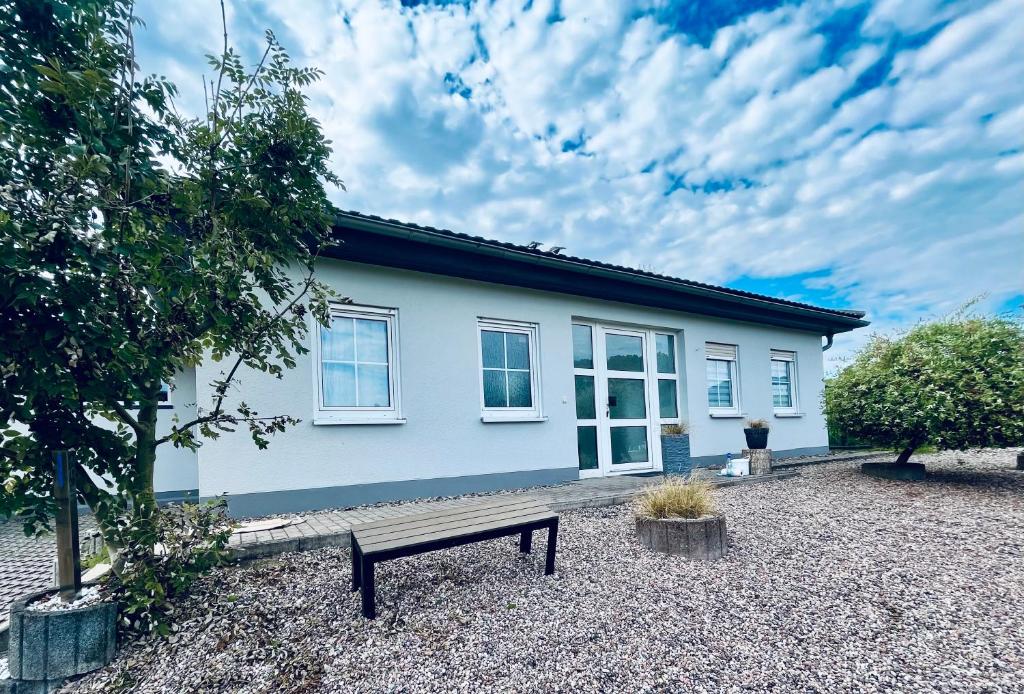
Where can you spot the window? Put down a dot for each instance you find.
(357, 367)
(165, 396)
(668, 403)
(509, 382)
(783, 381)
(723, 397)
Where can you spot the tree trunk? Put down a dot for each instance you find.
(139, 486)
(142, 494)
(904, 455)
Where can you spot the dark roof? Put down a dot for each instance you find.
(828, 320)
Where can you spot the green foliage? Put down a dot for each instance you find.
(136, 242)
(164, 557)
(955, 383)
(677, 498)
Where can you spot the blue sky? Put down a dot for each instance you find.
(862, 154)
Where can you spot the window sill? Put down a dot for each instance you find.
(501, 420)
(726, 415)
(331, 421)
(789, 415)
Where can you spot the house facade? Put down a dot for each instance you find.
(463, 364)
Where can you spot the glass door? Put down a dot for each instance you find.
(625, 431)
(585, 376)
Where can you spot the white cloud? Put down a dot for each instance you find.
(907, 194)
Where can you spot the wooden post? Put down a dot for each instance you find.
(69, 566)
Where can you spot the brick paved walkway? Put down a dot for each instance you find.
(26, 563)
(331, 528)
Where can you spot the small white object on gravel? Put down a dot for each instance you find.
(834, 582)
(87, 596)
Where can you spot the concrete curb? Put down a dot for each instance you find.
(781, 464)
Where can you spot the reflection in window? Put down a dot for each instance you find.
(624, 352)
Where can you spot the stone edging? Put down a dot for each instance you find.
(781, 463)
(272, 548)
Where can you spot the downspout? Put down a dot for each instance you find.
(828, 344)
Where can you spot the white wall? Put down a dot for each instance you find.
(715, 436)
(443, 435)
(177, 469)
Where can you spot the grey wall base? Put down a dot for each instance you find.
(294, 500)
(719, 460)
(177, 496)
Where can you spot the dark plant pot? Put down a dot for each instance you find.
(756, 438)
(675, 454)
(697, 538)
(54, 645)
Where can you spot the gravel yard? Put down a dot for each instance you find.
(834, 582)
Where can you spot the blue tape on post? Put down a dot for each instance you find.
(60, 468)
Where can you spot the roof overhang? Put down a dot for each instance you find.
(394, 244)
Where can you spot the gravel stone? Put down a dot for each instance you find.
(834, 582)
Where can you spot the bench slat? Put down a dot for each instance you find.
(459, 529)
(509, 500)
(407, 525)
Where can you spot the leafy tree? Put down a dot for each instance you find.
(955, 383)
(136, 242)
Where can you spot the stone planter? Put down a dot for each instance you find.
(894, 471)
(760, 460)
(52, 645)
(698, 538)
(756, 438)
(675, 454)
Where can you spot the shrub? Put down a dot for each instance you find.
(955, 383)
(757, 424)
(677, 498)
(164, 558)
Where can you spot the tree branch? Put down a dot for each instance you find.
(222, 388)
(126, 416)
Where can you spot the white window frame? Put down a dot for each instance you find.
(511, 414)
(789, 357)
(674, 377)
(325, 415)
(736, 409)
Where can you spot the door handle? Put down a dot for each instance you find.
(612, 401)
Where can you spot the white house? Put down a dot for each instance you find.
(466, 364)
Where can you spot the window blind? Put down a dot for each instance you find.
(780, 355)
(714, 350)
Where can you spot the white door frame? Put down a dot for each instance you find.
(604, 423)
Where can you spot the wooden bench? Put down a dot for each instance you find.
(405, 536)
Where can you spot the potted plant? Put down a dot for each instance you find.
(679, 516)
(675, 449)
(756, 433)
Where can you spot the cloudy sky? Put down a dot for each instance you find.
(863, 154)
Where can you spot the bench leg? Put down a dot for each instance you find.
(357, 561)
(526, 541)
(549, 564)
(369, 609)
